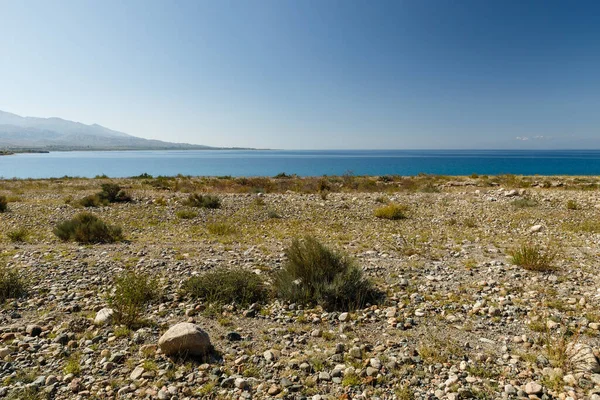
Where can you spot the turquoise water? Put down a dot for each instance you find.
(303, 163)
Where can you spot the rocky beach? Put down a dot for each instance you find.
(460, 319)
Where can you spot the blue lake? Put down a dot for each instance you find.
(303, 163)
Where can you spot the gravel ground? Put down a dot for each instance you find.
(459, 319)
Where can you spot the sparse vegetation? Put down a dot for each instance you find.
(226, 286)
(11, 284)
(532, 257)
(203, 201)
(524, 202)
(220, 228)
(133, 291)
(88, 228)
(392, 211)
(3, 204)
(186, 214)
(18, 235)
(109, 193)
(315, 274)
(572, 205)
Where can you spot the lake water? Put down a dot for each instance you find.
(303, 163)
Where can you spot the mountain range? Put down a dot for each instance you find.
(55, 134)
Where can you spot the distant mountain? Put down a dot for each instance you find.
(30, 133)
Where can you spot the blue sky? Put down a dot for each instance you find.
(310, 74)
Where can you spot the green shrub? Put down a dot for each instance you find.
(133, 292)
(18, 235)
(92, 200)
(273, 214)
(532, 257)
(572, 205)
(87, 228)
(3, 204)
(220, 228)
(525, 202)
(203, 201)
(314, 274)
(113, 193)
(225, 286)
(186, 214)
(391, 211)
(11, 284)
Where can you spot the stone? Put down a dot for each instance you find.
(582, 358)
(33, 330)
(324, 376)
(533, 388)
(185, 339)
(344, 317)
(241, 383)
(274, 390)
(4, 351)
(271, 355)
(104, 316)
(234, 337)
(536, 228)
(136, 373)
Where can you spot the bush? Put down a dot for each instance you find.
(12, 285)
(92, 200)
(220, 228)
(3, 204)
(225, 286)
(18, 235)
(113, 193)
(524, 203)
(200, 201)
(391, 211)
(572, 205)
(314, 274)
(133, 292)
(87, 228)
(186, 214)
(532, 257)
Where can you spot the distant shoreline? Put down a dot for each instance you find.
(46, 151)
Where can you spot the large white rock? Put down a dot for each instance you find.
(582, 358)
(104, 316)
(185, 339)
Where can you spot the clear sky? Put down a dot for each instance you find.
(310, 74)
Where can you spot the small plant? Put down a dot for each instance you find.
(12, 285)
(73, 365)
(87, 228)
(226, 286)
(18, 235)
(92, 200)
(3, 204)
(273, 214)
(572, 205)
(113, 193)
(186, 214)
(203, 201)
(525, 202)
(220, 228)
(315, 274)
(532, 257)
(133, 292)
(351, 380)
(391, 211)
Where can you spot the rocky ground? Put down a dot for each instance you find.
(459, 320)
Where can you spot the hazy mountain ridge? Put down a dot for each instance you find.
(34, 133)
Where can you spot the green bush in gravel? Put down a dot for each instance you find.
(226, 286)
(314, 274)
(133, 291)
(3, 204)
(88, 228)
(11, 284)
(203, 201)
